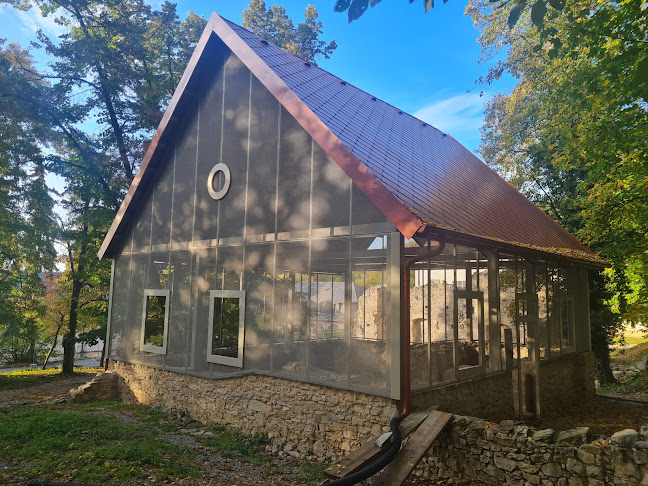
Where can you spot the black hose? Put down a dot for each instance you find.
(372, 469)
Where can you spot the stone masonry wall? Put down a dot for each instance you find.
(575, 369)
(489, 397)
(311, 419)
(510, 453)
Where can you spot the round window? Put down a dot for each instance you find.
(215, 192)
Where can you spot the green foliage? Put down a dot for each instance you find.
(117, 65)
(274, 25)
(314, 470)
(356, 8)
(27, 228)
(571, 134)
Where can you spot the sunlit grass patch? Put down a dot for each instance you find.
(84, 444)
(314, 470)
(30, 377)
(630, 355)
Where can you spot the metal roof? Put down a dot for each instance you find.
(418, 176)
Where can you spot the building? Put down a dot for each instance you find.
(270, 183)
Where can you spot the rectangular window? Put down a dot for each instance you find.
(226, 327)
(155, 321)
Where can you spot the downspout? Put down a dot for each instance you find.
(407, 387)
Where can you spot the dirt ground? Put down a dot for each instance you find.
(44, 392)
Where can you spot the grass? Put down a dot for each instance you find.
(626, 356)
(637, 384)
(633, 336)
(81, 443)
(314, 470)
(234, 443)
(32, 377)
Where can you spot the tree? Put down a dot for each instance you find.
(117, 65)
(274, 25)
(27, 228)
(571, 135)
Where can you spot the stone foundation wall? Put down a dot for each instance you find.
(311, 419)
(565, 381)
(489, 397)
(509, 453)
(327, 423)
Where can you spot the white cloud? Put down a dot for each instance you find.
(33, 20)
(460, 115)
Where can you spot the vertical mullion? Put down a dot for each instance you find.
(429, 319)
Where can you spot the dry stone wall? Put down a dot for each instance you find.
(510, 453)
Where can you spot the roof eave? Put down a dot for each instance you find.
(558, 255)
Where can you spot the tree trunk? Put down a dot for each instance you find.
(602, 359)
(49, 354)
(69, 340)
(103, 352)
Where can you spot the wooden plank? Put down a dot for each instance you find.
(369, 452)
(409, 456)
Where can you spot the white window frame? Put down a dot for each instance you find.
(216, 358)
(147, 347)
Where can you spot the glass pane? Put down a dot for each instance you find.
(226, 326)
(230, 267)
(331, 307)
(541, 292)
(154, 323)
(367, 359)
(119, 310)
(554, 320)
(259, 263)
(180, 310)
(290, 308)
(205, 279)
(567, 322)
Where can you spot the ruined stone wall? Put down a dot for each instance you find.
(510, 453)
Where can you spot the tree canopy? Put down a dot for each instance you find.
(571, 135)
(274, 25)
(355, 8)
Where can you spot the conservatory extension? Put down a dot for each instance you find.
(267, 232)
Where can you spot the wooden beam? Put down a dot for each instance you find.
(397, 471)
(370, 452)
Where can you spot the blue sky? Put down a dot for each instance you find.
(425, 64)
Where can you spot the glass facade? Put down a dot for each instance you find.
(294, 272)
